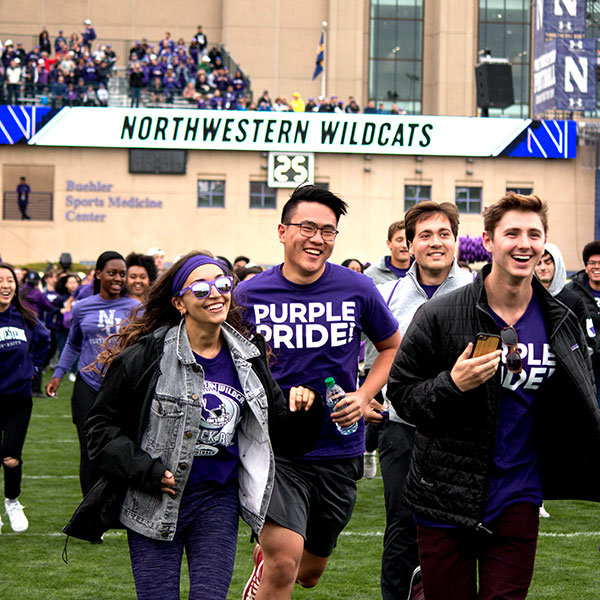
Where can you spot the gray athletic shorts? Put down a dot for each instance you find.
(315, 499)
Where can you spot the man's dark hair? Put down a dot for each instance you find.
(395, 226)
(424, 210)
(312, 193)
(590, 250)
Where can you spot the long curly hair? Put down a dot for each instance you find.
(158, 311)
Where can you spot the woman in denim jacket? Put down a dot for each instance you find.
(194, 446)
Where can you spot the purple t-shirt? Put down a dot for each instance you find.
(399, 273)
(92, 321)
(217, 455)
(314, 331)
(429, 289)
(514, 472)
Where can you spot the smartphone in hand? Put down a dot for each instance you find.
(485, 343)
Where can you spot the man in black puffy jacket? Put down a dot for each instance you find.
(498, 432)
(586, 284)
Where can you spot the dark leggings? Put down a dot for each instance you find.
(81, 401)
(207, 528)
(15, 414)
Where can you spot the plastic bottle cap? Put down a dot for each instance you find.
(330, 382)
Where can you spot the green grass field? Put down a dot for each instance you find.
(31, 567)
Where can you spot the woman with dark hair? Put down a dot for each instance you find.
(141, 273)
(354, 265)
(180, 424)
(24, 344)
(93, 319)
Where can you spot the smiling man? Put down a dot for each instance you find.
(312, 313)
(431, 232)
(586, 284)
(495, 433)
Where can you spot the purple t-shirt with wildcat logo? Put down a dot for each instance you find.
(216, 456)
(314, 331)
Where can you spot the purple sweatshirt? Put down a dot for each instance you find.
(92, 321)
(22, 352)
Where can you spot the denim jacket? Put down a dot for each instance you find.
(167, 427)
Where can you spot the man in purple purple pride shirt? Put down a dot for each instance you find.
(496, 433)
(312, 314)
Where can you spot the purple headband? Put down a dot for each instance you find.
(188, 266)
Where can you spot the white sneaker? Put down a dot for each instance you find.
(72, 377)
(544, 514)
(16, 516)
(370, 464)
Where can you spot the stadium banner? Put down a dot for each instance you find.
(306, 132)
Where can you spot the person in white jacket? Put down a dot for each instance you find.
(431, 233)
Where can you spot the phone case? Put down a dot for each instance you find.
(485, 343)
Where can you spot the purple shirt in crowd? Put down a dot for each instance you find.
(92, 321)
(514, 473)
(314, 331)
(400, 273)
(22, 352)
(217, 454)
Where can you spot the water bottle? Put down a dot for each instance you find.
(333, 395)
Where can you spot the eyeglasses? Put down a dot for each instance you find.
(201, 289)
(513, 358)
(309, 230)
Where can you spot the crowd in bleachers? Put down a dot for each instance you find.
(76, 72)
(66, 72)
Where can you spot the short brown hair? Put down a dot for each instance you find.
(424, 210)
(395, 226)
(512, 201)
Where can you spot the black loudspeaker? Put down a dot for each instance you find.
(494, 85)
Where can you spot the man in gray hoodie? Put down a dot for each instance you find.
(431, 233)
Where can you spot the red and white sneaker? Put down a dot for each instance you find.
(252, 586)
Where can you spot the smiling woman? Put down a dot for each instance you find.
(92, 321)
(179, 430)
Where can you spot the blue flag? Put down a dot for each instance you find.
(320, 56)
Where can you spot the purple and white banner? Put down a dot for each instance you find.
(562, 17)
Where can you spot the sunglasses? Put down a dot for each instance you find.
(509, 338)
(201, 289)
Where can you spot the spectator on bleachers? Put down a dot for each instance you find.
(44, 41)
(102, 94)
(202, 41)
(13, 81)
(137, 52)
(265, 100)
(89, 97)
(169, 84)
(102, 72)
(88, 35)
(60, 39)
(31, 78)
(136, 81)
(311, 105)
(42, 81)
(216, 101)
(240, 83)
(72, 98)
(156, 90)
(74, 44)
(202, 86)
(281, 105)
(352, 107)
(370, 108)
(59, 92)
(21, 54)
(297, 102)
(190, 94)
(8, 53)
